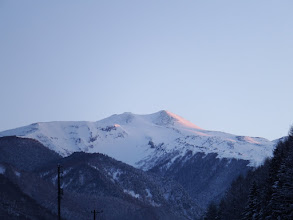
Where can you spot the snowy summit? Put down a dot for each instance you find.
(140, 140)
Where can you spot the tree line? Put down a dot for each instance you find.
(265, 193)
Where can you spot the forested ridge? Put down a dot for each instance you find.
(264, 193)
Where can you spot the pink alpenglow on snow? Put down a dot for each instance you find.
(140, 140)
(183, 121)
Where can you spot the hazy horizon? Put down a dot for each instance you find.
(224, 66)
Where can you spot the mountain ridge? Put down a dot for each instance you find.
(134, 138)
(203, 162)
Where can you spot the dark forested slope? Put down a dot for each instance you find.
(265, 193)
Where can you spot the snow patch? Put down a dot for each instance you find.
(2, 169)
(44, 174)
(250, 140)
(66, 171)
(116, 175)
(54, 179)
(17, 173)
(132, 193)
(149, 195)
(96, 168)
(64, 185)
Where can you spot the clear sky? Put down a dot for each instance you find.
(223, 65)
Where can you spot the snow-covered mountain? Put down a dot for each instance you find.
(164, 144)
(141, 140)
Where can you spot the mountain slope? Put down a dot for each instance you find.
(15, 205)
(99, 177)
(203, 162)
(25, 154)
(90, 181)
(204, 177)
(139, 140)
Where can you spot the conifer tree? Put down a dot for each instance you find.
(212, 212)
(270, 189)
(252, 208)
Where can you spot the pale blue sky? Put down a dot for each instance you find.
(223, 65)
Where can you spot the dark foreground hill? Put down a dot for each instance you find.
(90, 181)
(16, 205)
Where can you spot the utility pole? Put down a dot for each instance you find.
(60, 191)
(96, 212)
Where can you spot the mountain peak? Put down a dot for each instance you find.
(161, 118)
(165, 117)
(130, 138)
